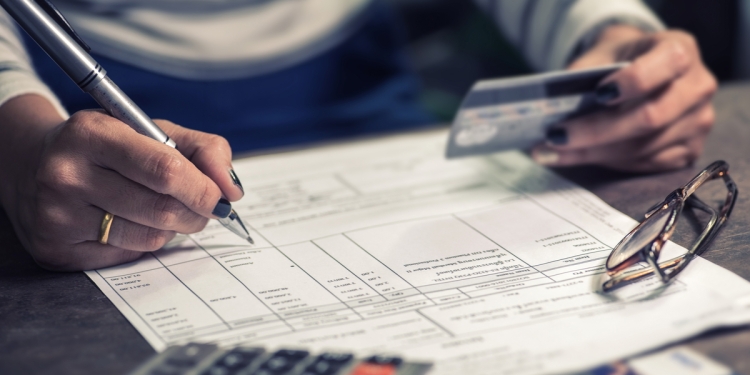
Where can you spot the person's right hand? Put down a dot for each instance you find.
(67, 176)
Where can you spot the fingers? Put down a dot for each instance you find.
(591, 60)
(164, 170)
(675, 146)
(672, 56)
(73, 224)
(93, 163)
(674, 156)
(679, 156)
(659, 108)
(210, 153)
(123, 233)
(67, 237)
(606, 51)
(129, 200)
(639, 118)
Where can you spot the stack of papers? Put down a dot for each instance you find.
(484, 265)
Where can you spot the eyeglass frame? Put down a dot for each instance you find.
(668, 270)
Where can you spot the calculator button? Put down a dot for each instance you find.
(190, 355)
(384, 360)
(339, 358)
(373, 369)
(278, 364)
(294, 355)
(217, 370)
(167, 370)
(234, 361)
(250, 353)
(328, 364)
(322, 368)
(265, 371)
(283, 361)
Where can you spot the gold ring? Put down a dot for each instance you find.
(104, 228)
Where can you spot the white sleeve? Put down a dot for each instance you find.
(17, 77)
(550, 32)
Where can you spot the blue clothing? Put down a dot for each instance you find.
(363, 85)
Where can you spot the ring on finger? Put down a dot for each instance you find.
(105, 226)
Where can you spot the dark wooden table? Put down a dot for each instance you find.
(60, 323)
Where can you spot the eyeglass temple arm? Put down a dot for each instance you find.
(719, 169)
(656, 268)
(711, 228)
(714, 170)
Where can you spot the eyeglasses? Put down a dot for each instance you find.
(645, 242)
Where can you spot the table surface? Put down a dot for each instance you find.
(61, 323)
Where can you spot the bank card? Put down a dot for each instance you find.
(514, 113)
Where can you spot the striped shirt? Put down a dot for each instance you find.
(230, 39)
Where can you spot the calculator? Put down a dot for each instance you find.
(209, 359)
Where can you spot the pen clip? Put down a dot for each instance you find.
(55, 14)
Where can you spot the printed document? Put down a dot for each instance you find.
(484, 265)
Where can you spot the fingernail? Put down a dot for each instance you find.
(607, 93)
(236, 180)
(222, 209)
(557, 136)
(545, 156)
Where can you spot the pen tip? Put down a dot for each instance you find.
(250, 239)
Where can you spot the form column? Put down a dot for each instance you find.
(164, 303)
(339, 282)
(218, 289)
(396, 294)
(552, 245)
(368, 269)
(279, 283)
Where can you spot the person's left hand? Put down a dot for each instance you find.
(660, 109)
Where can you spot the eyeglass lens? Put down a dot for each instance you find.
(649, 230)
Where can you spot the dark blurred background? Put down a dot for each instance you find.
(453, 43)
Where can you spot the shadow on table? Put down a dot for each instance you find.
(56, 322)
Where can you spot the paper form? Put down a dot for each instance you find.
(484, 265)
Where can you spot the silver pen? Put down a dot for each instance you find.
(44, 23)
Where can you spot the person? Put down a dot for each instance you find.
(271, 73)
